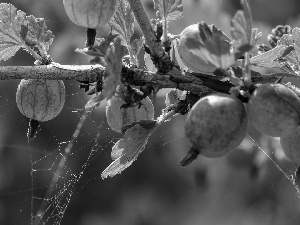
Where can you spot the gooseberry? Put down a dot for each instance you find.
(40, 99)
(194, 62)
(215, 126)
(291, 146)
(90, 13)
(274, 109)
(118, 116)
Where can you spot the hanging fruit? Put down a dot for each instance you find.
(90, 13)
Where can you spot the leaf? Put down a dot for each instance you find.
(38, 35)
(149, 63)
(135, 48)
(168, 9)
(126, 150)
(113, 71)
(100, 48)
(241, 29)
(113, 61)
(216, 51)
(123, 22)
(268, 58)
(18, 30)
(296, 39)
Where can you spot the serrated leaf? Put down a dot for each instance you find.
(8, 50)
(38, 35)
(168, 9)
(296, 38)
(126, 150)
(18, 30)
(268, 58)
(123, 22)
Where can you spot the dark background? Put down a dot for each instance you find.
(244, 187)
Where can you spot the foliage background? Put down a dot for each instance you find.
(242, 188)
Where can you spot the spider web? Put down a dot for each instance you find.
(48, 189)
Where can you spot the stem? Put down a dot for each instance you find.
(160, 59)
(247, 74)
(145, 25)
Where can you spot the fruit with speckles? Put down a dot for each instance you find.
(291, 146)
(216, 125)
(40, 99)
(274, 110)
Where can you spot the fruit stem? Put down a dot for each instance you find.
(32, 129)
(190, 157)
(90, 37)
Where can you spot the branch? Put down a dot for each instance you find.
(81, 73)
(194, 82)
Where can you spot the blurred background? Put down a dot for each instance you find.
(244, 188)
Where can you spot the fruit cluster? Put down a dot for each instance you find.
(217, 123)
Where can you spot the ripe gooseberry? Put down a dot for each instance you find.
(90, 13)
(291, 146)
(118, 117)
(190, 60)
(215, 126)
(274, 109)
(40, 99)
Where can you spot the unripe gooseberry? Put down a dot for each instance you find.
(90, 13)
(118, 116)
(192, 61)
(215, 126)
(274, 109)
(291, 146)
(40, 99)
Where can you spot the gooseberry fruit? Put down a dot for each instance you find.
(291, 146)
(118, 116)
(90, 13)
(274, 109)
(40, 99)
(215, 126)
(192, 61)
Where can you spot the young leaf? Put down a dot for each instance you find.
(38, 35)
(123, 22)
(20, 31)
(241, 30)
(168, 9)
